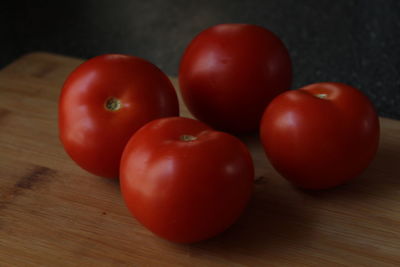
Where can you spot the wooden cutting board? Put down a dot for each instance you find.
(54, 213)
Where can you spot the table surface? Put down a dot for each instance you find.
(350, 41)
(54, 213)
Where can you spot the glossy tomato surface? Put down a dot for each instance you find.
(320, 136)
(184, 181)
(230, 72)
(104, 101)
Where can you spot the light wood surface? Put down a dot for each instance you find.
(54, 213)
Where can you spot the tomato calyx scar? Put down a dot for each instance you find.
(187, 138)
(112, 104)
(322, 96)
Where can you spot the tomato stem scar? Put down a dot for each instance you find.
(188, 138)
(322, 96)
(112, 104)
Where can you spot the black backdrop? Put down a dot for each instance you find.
(351, 41)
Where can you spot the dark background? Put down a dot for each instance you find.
(351, 41)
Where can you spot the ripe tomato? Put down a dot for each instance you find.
(184, 181)
(230, 72)
(321, 135)
(104, 101)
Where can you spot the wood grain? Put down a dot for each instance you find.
(54, 213)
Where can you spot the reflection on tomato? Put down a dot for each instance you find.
(104, 101)
(184, 181)
(320, 136)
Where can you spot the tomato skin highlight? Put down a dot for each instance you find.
(104, 101)
(321, 135)
(184, 181)
(230, 72)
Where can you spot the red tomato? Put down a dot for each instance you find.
(321, 135)
(184, 181)
(230, 72)
(104, 101)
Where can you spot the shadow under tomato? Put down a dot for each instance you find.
(275, 219)
(381, 178)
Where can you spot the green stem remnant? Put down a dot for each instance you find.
(112, 104)
(322, 96)
(188, 138)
